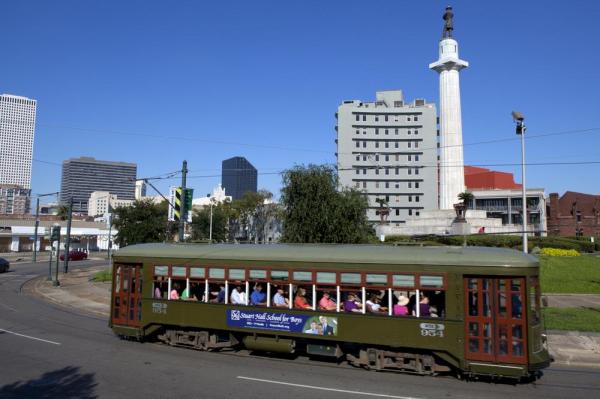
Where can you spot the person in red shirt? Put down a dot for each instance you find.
(300, 301)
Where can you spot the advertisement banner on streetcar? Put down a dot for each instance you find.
(293, 323)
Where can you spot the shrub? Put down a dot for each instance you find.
(559, 252)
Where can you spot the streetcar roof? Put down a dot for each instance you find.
(335, 253)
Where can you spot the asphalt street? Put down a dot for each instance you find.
(48, 352)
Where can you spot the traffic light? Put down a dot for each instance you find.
(55, 234)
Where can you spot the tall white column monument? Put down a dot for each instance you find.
(452, 176)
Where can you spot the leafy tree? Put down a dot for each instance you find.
(248, 216)
(316, 212)
(142, 222)
(201, 223)
(466, 197)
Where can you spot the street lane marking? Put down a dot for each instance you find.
(30, 337)
(381, 395)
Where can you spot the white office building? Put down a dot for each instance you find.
(102, 202)
(17, 128)
(388, 150)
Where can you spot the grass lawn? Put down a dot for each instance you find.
(573, 319)
(103, 276)
(570, 275)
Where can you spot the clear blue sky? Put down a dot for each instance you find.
(263, 79)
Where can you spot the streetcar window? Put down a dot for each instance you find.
(280, 275)
(159, 288)
(534, 299)
(258, 274)
(237, 274)
(237, 293)
(177, 287)
(161, 270)
(197, 272)
(326, 278)
(350, 278)
(403, 280)
(377, 279)
(432, 281)
(303, 297)
(258, 297)
(178, 271)
(217, 273)
(302, 276)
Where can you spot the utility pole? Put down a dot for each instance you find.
(211, 221)
(57, 230)
(183, 202)
(520, 130)
(68, 239)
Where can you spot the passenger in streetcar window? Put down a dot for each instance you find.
(374, 305)
(327, 329)
(279, 300)
(424, 310)
(157, 290)
(258, 298)
(401, 307)
(238, 297)
(219, 295)
(326, 303)
(412, 303)
(516, 306)
(351, 304)
(300, 301)
(174, 295)
(385, 298)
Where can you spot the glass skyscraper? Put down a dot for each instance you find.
(238, 176)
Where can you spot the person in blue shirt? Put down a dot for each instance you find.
(258, 298)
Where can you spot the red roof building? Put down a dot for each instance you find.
(485, 179)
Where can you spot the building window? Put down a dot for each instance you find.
(417, 185)
(408, 118)
(409, 184)
(357, 117)
(397, 212)
(376, 184)
(377, 157)
(364, 144)
(410, 212)
(397, 172)
(416, 198)
(357, 171)
(409, 144)
(409, 171)
(358, 132)
(416, 171)
(387, 198)
(364, 184)
(376, 171)
(417, 213)
(396, 131)
(416, 144)
(397, 157)
(376, 130)
(416, 158)
(364, 157)
(387, 145)
(386, 131)
(364, 118)
(357, 184)
(357, 144)
(410, 198)
(410, 158)
(377, 144)
(364, 171)
(387, 171)
(416, 132)
(364, 132)
(387, 184)
(386, 119)
(397, 186)
(416, 118)
(409, 132)
(358, 157)
(376, 118)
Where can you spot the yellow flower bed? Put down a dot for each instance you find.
(559, 252)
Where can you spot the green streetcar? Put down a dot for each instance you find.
(475, 311)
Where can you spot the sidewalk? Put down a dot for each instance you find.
(573, 300)
(78, 293)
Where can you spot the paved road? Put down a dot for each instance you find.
(49, 352)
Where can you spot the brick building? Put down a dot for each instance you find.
(573, 214)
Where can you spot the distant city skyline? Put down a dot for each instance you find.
(131, 92)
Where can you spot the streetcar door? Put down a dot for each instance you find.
(127, 295)
(495, 328)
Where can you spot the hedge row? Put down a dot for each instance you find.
(504, 241)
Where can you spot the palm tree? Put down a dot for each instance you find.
(467, 198)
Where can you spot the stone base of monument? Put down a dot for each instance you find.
(443, 222)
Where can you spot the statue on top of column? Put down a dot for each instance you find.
(448, 23)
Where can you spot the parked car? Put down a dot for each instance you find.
(4, 265)
(75, 255)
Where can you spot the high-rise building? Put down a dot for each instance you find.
(102, 202)
(14, 199)
(140, 189)
(238, 176)
(388, 150)
(82, 176)
(17, 127)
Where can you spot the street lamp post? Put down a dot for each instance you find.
(37, 224)
(520, 130)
